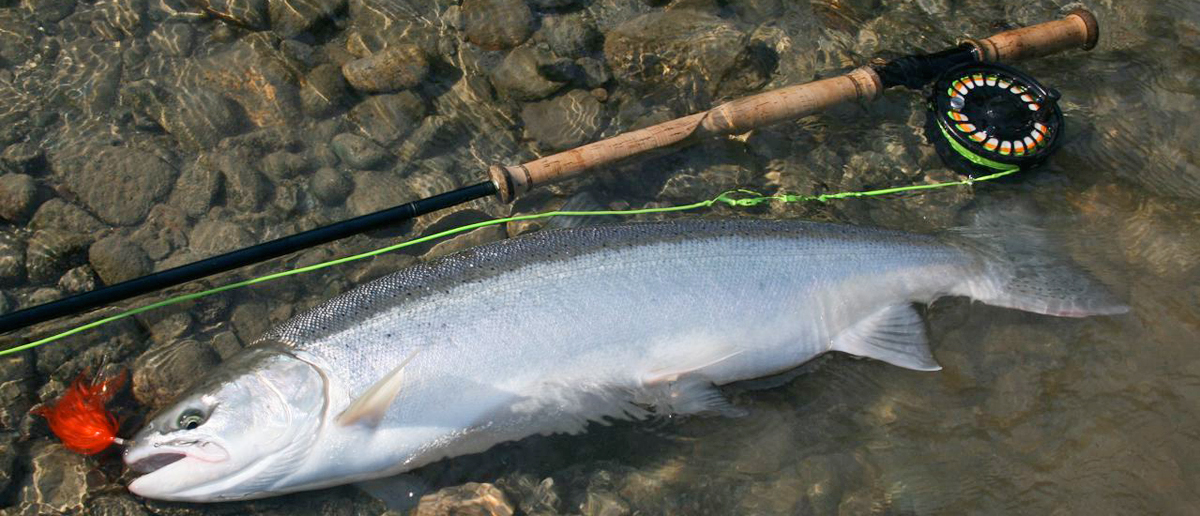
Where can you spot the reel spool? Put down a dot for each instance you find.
(986, 117)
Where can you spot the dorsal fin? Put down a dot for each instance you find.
(370, 407)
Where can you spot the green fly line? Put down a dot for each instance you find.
(734, 198)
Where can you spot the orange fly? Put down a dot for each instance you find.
(79, 418)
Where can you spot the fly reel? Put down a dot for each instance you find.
(985, 117)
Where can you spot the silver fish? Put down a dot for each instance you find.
(544, 333)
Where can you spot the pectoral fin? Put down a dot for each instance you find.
(369, 408)
(895, 334)
(683, 389)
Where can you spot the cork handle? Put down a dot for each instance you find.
(1078, 29)
(733, 117)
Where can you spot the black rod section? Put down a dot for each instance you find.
(240, 258)
(915, 71)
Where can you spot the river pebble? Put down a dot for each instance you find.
(470, 498)
(61, 479)
(518, 75)
(290, 18)
(211, 237)
(387, 118)
(12, 259)
(497, 24)
(117, 259)
(358, 152)
(325, 91)
(59, 214)
(77, 280)
(168, 368)
(393, 68)
(563, 122)
(51, 251)
(330, 186)
(121, 184)
(17, 195)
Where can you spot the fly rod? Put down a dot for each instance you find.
(985, 109)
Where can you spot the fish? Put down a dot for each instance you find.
(552, 331)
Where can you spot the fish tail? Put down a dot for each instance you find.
(1022, 269)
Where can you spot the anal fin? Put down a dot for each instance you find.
(895, 334)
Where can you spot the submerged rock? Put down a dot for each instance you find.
(497, 24)
(394, 68)
(686, 49)
(390, 117)
(12, 259)
(61, 479)
(173, 39)
(59, 214)
(358, 152)
(290, 18)
(52, 251)
(468, 499)
(563, 122)
(168, 368)
(121, 184)
(18, 193)
(251, 14)
(518, 77)
(330, 186)
(325, 91)
(116, 259)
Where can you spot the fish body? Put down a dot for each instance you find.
(544, 333)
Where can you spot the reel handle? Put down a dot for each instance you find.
(1078, 29)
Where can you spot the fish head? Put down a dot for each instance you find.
(236, 435)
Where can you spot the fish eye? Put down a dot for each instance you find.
(190, 419)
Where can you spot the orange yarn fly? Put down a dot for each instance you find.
(79, 418)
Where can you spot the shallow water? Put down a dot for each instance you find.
(154, 134)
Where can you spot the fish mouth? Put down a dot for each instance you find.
(155, 462)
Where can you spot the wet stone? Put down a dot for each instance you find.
(49, 11)
(173, 39)
(18, 193)
(60, 479)
(15, 389)
(497, 24)
(467, 240)
(245, 187)
(115, 506)
(168, 368)
(595, 74)
(468, 499)
(284, 165)
(117, 259)
(394, 68)
(124, 15)
(389, 117)
(24, 158)
(663, 48)
(226, 344)
(43, 295)
(49, 252)
(121, 184)
(563, 122)
(358, 152)
(330, 186)
(290, 18)
(248, 13)
(570, 35)
(59, 214)
(200, 118)
(211, 237)
(518, 76)
(250, 321)
(8, 458)
(374, 191)
(79, 279)
(12, 259)
(325, 92)
(196, 189)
